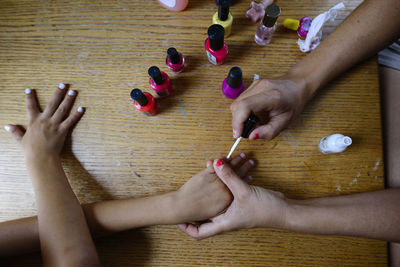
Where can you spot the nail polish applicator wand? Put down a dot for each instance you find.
(249, 126)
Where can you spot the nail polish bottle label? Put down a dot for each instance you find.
(211, 58)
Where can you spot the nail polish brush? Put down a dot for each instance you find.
(249, 126)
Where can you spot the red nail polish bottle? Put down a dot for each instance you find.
(216, 49)
(175, 61)
(144, 102)
(160, 82)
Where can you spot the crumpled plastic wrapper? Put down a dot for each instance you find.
(314, 35)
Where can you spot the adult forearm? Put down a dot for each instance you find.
(368, 29)
(371, 215)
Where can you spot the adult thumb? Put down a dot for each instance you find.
(228, 176)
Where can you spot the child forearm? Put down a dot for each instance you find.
(22, 236)
(63, 231)
(203, 196)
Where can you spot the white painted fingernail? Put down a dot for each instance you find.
(242, 155)
(251, 162)
(28, 91)
(61, 86)
(235, 134)
(7, 128)
(80, 109)
(71, 92)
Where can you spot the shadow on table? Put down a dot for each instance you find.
(129, 248)
(85, 187)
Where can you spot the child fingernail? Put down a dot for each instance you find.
(219, 164)
(71, 92)
(235, 134)
(7, 128)
(242, 155)
(28, 91)
(61, 86)
(80, 109)
(256, 137)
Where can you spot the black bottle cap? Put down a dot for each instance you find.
(235, 78)
(139, 97)
(173, 55)
(272, 13)
(223, 9)
(249, 125)
(156, 75)
(216, 36)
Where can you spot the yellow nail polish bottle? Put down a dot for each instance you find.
(223, 17)
(292, 24)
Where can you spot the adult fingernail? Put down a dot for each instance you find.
(61, 86)
(28, 91)
(251, 162)
(242, 155)
(235, 134)
(71, 92)
(7, 128)
(80, 109)
(219, 164)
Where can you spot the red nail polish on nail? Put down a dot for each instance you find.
(219, 163)
(256, 137)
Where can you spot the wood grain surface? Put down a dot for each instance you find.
(103, 50)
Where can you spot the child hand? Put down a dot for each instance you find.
(252, 206)
(204, 195)
(46, 131)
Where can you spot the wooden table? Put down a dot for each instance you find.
(103, 49)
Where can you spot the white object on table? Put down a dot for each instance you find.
(314, 34)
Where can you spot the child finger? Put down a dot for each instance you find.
(16, 131)
(72, 119)
(238, 160)
(245, 168)
(32, 107)
(64, 107)
(55, 100)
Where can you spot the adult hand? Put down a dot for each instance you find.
(252, 206)
(205, 195)
(280, 101)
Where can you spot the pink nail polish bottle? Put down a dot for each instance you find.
(267, 26)
(305, 23)
(144, 102)
(174, 5)
(216, 49)
(233, 85)
(175, 61)
(160, 82)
